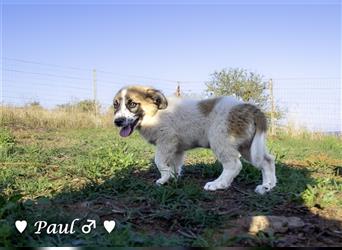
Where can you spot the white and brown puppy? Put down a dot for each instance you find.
(229, 127)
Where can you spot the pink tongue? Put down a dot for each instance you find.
(125, 131)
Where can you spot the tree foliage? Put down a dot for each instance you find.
(248, 86)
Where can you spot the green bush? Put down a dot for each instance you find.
(81, 106)
(7, 144)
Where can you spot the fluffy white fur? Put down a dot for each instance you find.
(182, 126)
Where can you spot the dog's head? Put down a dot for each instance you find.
(133, 103)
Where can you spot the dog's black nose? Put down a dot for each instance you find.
(119, 121)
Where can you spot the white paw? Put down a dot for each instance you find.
(262, 189)
(214, 185)
(160, 181)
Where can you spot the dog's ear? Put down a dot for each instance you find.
(157, 97)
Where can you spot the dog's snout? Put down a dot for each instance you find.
(119, 121)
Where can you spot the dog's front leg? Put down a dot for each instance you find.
(165, 160)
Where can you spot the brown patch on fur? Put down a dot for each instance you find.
(143, 96)
(242, 116)
(206, 106)
(118, 99)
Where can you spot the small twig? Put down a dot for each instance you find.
(190, 235)
(227, 212)
(334, 233)
(118, 211)
(240, 191)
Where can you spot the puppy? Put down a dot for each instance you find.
(231, 128)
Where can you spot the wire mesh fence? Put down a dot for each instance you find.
(312, 103)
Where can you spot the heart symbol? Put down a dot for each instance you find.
(109, 225)
(21, 225)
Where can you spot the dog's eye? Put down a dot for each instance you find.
(132, 105)
(116, 104)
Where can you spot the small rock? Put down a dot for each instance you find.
(274, 224)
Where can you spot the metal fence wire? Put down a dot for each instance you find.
(311, 103)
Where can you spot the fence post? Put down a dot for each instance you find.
(95, 97)
(270, 86)
(178, 92)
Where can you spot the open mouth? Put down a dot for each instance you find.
(128, 130)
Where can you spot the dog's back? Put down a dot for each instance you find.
(190, 120)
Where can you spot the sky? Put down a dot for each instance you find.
(49, 49)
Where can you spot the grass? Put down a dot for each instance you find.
(58, 174)
(31, 117)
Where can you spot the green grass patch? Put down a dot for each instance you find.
(58, 175)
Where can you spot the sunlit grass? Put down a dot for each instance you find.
(57, 173)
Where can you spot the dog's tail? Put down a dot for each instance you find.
(258, 147)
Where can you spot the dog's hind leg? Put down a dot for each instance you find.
(169, 164)
(261, 159)
(228, 155)
(269, 179)
(230, 170)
